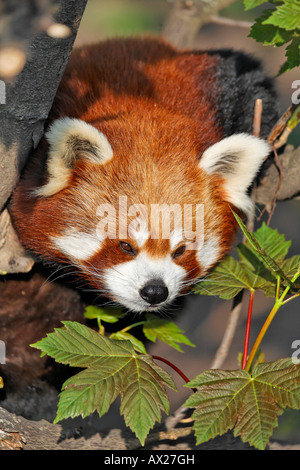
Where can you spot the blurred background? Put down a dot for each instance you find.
(204, 318)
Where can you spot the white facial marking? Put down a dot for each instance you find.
(209, 252)
(138, 230)
(176, 237)
(125, 280)
(77, 245)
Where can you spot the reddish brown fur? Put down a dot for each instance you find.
(123, 89)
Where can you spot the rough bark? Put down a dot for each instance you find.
(290, 184)
(28, 99)
(17, 433)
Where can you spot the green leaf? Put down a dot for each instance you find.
(107, 314)
(258, 274)
(248, 404)
(112, 368)
(270, 262)
(286, 15)
(273, 243)
(261, 258)
(291, 266)
(226, 280)
(249, 4)
(275, 246)
(164, 330)
(268, 34)
(80, 346)
(279, 26)
(293, 56)
(124, 335)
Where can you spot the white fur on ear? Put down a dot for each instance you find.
(237, 160)
(70, 140)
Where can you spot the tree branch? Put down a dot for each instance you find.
(290, 184)
(28, 100)
(187, 17)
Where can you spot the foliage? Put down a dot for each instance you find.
(111, 368)
(247, 403)
(279, 26)
(261, 261)
(247, 400)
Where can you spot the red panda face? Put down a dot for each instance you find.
(140, 218)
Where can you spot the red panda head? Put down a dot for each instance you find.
(139, 210)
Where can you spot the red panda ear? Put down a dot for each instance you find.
(71, 140)
(237, 160)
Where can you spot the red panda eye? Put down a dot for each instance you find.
(179, 251)
(127, 248)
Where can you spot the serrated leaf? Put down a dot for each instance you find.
(88, 391)
(273, 243)
(286, 15)
(248, 404)
(144, 396)
(270, 262)
(293, 56)
(108, 314)
(112, 368)
(263, 248)
(277, 27)
(124, 335)
(226, 280)
(164, 330)
(80, 346)
(269, 34)
(258, 274)
(291, 266)
(275, 246)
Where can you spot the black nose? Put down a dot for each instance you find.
(154, 292)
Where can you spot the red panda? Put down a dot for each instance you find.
(138, 127)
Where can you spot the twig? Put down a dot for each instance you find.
(170, 364)
(172, 421)
(187, 17)
(228, 336)
(280, 125)
(258, 107)
(290, 185)
(223, 350)
(247, 333)
(278, 138)
(222, 21)
(170, 435)
(273, 202)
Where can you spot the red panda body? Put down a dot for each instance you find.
(138, 126)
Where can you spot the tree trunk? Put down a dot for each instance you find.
(26, 105)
